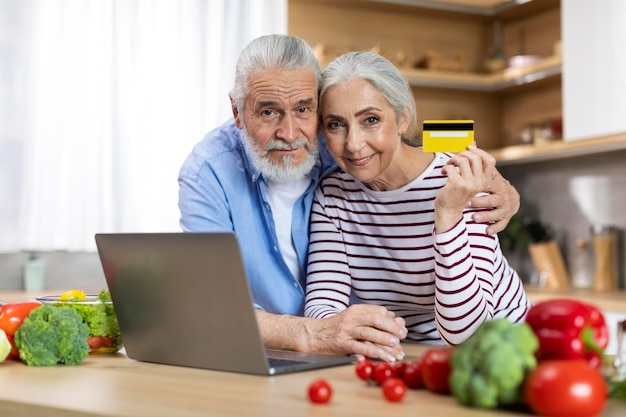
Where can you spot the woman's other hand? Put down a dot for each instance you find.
(502, 199)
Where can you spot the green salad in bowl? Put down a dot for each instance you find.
(97, 312)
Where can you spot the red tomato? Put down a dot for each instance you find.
(94, 342)
(394, 389)
(11, 317)
(364, 370)
(107, 341)
(413, 375)
(320, 391)
(435, 366)
(565, 388)
(594, 359)
(399, 368)
(382, 371)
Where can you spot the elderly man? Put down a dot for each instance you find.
(255, 176)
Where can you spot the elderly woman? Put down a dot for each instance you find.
(392, 225)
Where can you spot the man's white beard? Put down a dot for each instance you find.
(287, 171)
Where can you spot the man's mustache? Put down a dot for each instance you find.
(279, 145)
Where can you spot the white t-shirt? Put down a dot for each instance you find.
(282, 195)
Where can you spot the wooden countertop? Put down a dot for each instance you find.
(612, 301)
(113, 385)
(116, 386)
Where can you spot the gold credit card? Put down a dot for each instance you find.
(447, 135)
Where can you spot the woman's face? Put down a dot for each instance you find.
(363, 132)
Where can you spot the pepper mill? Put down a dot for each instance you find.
(604, 239)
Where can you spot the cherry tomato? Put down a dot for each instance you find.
(364, 370)
(107, 341)
(11, 317)
(94, 342)
(413, 375)
(435, 366)
(565, 388)
(394, 389)
(320, 391)
(383, 371)
(399, 368)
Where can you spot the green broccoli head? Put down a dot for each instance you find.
(482, 392)
(489, 368)
(524, 339)
(100, 317)
(52, 334)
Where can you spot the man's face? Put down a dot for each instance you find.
(280, 122)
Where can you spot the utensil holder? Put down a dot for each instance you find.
(548, 262)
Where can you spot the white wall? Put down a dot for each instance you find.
(63, 271)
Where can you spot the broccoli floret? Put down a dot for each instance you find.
(100, 317)
(52, 334)
(489, 368)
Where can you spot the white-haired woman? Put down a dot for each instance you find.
(391, 226)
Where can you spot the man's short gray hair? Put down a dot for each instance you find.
(384, 76)
(271, 52)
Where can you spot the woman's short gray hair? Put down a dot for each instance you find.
(271, 52)
(384, 76)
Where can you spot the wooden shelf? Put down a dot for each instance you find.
(546, 68)
(558, 149)
(506, 9)
(504, 102)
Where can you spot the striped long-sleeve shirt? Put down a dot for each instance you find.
(381, 248)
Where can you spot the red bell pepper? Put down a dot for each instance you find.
(569, 329)
(11, 317)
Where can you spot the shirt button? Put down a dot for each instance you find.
(275, 249)
(295, 284)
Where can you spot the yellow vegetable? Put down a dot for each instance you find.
(5, 345)
(73, 295)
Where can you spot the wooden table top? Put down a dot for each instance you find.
(614, 301)
(114, 385)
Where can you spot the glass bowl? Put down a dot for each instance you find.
(104, 332)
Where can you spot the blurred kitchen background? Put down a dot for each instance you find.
(101, 101)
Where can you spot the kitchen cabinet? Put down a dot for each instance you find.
(502, 103)
(524, 154)
(594, 93)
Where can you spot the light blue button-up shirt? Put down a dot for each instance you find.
(220, 190)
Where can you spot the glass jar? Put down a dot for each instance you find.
(605, 242)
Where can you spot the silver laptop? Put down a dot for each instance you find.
(183, 299)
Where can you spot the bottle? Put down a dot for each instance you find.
(34, 274)
(581, 265)
(605, 255)
(497, 59)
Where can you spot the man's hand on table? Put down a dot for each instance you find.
(364, 330)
